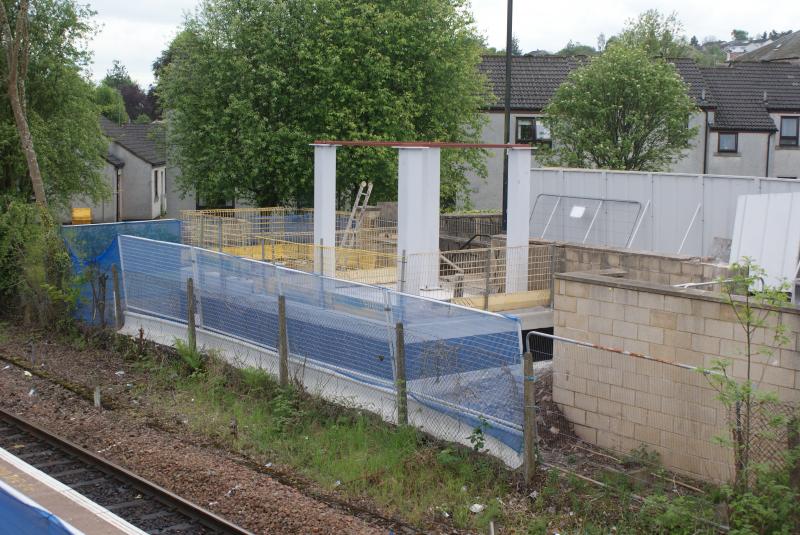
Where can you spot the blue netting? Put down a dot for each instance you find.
(93, 250)
(463, 362)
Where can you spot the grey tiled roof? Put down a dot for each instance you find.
(746, 93)
(534, 79)
(784, 48)
(736, 91)
(113, 160)
(147, 141)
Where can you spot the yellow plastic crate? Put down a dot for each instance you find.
(81, 216)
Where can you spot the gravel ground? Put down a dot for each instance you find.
(165, 453)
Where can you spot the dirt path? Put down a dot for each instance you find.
(165, 453)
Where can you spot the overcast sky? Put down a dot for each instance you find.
(135, 32)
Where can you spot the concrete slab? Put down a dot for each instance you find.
(532, 318)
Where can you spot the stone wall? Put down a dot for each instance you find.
(620, 402)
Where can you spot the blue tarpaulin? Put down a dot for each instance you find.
(19, 515)
(93, 250)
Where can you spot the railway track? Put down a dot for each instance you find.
(147, 506)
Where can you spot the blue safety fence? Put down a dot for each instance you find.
(93, 249)
(22, 516)
(462, 362)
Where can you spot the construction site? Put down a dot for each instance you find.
(610, 280)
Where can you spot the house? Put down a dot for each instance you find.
(747, 117)
(138, 174)
(737, 48)
(784, 49)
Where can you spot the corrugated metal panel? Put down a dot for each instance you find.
(767, 230)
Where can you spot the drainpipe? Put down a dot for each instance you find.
(119, 176)
(705, 141)
(769, 143)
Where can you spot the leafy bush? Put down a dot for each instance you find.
(36, 278)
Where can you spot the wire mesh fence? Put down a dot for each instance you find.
(624, 411)
(462, 367)
(242, 231)
(493, 278)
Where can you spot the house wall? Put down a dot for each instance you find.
(136, 186)
(784, 161)
(487, 194)
(104, 211)
(691, 161)
(621, 402)
(750, 160)
(175, 201)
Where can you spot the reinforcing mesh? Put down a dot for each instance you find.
(460, 362)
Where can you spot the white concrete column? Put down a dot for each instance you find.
(518, 227)
(325, 209)
(416, 212)
(431, 193)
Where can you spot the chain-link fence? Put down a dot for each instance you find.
(629, 412)
(461, 366)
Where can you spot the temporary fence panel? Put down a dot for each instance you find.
(93, 250)
(459, 361)
(680, 212)
(584, 219)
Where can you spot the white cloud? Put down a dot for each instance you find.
(550, 25)
(135, 32)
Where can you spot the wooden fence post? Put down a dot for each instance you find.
(529, 422)
(190, 315)
(400, 375)
(283, 343)
(118, 315)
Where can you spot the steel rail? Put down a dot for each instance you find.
(202, 516)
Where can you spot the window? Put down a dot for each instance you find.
(526, 130)
(789, 131)
(532, 130)
(155, 185)
(728, 142)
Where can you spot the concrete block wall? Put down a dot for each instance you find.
(620, 402)
(639, 265)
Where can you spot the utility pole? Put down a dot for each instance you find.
(507, 118)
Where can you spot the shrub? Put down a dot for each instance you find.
(36, 278)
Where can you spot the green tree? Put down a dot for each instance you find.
(753, 303)
(709, 55)
(59, 104)
(658, 34)
(111, 105)
(621, 111)
(576, 49)
(137, 101)
(117, 76)
(740, 35)
(250, 83)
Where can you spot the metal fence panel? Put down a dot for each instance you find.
(460, 362)
(682, 212)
